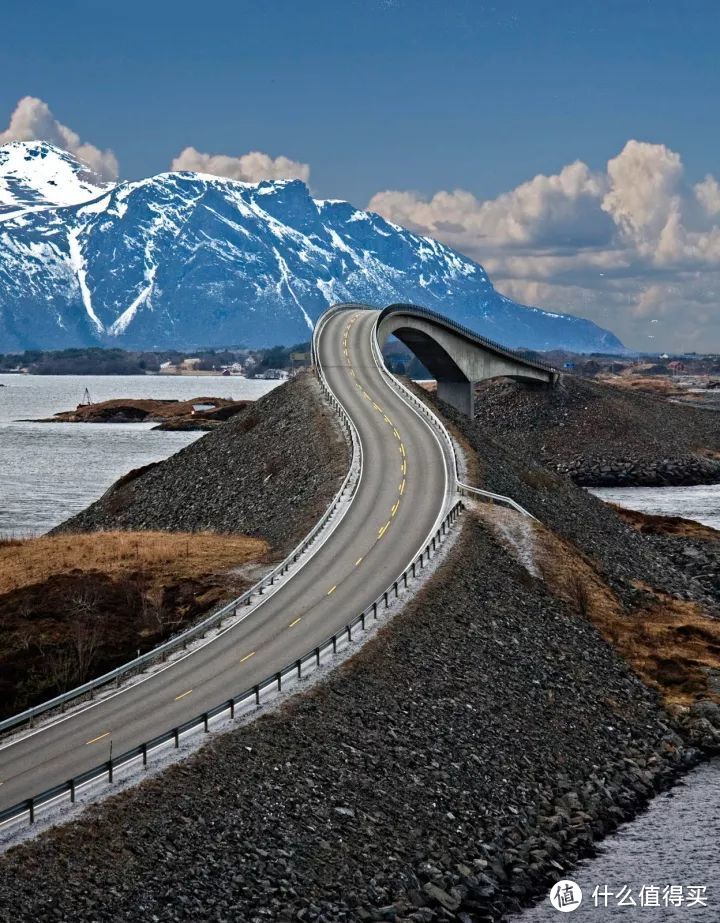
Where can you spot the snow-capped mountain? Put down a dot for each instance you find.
(36, 175)
(184, 260)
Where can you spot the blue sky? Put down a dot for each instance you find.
(416, 97)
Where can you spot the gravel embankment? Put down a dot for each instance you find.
(511, 464)
(269, 472)
(518, 737)
(601, 435)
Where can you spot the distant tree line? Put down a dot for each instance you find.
(98, 361)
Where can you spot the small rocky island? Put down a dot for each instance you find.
(200, 413)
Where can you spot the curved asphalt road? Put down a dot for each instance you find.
(402, 492)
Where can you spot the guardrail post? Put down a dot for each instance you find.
(334, 644)
(247, 601)
(205, 723)
(176, 735)
(362, 620)
(413, 569)
(298, 665)
(257, 695)
(143, 749)
(31, 810)
(110, 770)
(385, 600)
(278, 677)
(375, 610)
(317, 656)
(71, 786)
(405, 578)
(348, 629)
(397, 591)
(232, 709)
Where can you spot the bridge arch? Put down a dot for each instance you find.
(457, 357)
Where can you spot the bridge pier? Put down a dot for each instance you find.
(459, 394)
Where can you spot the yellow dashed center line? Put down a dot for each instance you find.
(387, 419)
(295, 621)
(383, 529)
(397, 434)
(402, 487)
(96, 739)
(182, 695)
(395, 508)
(247, 656)
(358, 561)
(402, 449)
(332, 589)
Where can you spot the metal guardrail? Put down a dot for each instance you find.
(230, 610)
(465, 490)
(466, 332)
(249, 699)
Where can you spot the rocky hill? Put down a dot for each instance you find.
(602, 435)
(285, 452)
(185, 260)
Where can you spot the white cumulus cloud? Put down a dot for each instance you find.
(615, 245)
(32, 120)
(249, 168)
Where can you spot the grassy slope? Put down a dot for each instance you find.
(72, 606)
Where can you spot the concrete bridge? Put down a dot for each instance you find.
(455, 356)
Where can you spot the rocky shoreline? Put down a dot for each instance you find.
(200, 413)
(601, 435)
(604, 471)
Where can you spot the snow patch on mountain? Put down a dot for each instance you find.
(35, 175)
(181, 260)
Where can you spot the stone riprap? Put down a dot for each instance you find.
(454, 767)
(603, 435)
(269, 472)
(634, 471)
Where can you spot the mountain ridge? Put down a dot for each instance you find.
(182, 260)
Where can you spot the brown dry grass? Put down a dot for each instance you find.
(160, 555)
(666, 525)
(670, 643)
(660, 387)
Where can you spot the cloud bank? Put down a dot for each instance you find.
(635, 247)
(32, 120)
(249, 168)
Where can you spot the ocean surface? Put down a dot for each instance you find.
(701, 503)
(49, 471)
(674, 844)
